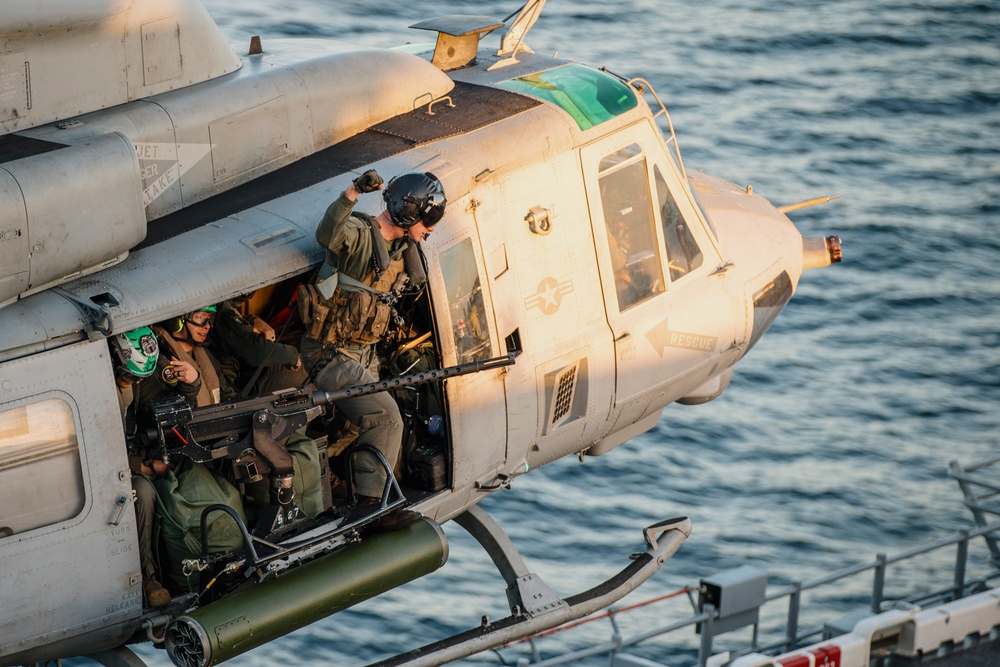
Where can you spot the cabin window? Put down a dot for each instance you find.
(465, 302)
(631, 229)
(41, 478)
(683, 253)
(588, 95)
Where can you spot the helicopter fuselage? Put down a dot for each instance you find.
(573, 237)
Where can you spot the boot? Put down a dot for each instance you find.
(394, 520)
(338, 489)
(157, 596)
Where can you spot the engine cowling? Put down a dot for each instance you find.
(68, 212)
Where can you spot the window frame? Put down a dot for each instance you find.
(80, 460)
(450, 344)
(654, 233)
(658, 181)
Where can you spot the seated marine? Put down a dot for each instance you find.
(188, 368)
(248, 353)
(134, 355)
(194, 372)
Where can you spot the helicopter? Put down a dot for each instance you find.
(581, 280)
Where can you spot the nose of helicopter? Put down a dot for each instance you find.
(758, 236)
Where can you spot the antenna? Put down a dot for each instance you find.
(512, 39)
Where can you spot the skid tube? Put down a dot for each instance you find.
(534, 606)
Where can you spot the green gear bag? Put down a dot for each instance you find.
(305, 483)
(181, 496)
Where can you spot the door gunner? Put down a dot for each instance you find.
(364, 259)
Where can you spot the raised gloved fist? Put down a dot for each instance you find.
(369, 181)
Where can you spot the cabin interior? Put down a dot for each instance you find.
(410, 349)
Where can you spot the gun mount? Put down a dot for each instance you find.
(230, 430)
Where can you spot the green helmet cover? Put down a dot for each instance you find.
(137, 351)
(204, 309)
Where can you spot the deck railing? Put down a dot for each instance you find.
(793, 637)
(982, 496)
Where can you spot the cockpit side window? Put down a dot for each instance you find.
(628, 216)
(41, 478)
(465, 302)
(683, 253)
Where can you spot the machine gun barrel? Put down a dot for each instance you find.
(413, 379)
(221, 430)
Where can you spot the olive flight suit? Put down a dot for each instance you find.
(349, 241)
(240, 351)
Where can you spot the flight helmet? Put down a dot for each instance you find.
(176, 325)
(137, 351)
(182, 332)
(414, 197)
(204, 309)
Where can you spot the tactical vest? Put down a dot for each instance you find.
(354, 314)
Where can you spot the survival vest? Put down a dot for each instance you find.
(339, 309)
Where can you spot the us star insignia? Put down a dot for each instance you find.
(549, 295)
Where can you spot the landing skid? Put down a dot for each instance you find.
(535, 607)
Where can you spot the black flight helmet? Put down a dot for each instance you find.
(414, 197)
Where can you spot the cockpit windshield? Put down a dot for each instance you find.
(590, 96)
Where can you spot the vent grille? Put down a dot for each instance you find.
(564, 395)
(566, 388)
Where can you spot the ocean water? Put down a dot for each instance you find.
(832, 442)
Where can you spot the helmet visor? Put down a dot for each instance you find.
(433, 209)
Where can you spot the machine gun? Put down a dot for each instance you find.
(252, 432)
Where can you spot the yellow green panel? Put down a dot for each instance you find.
(588, 95)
